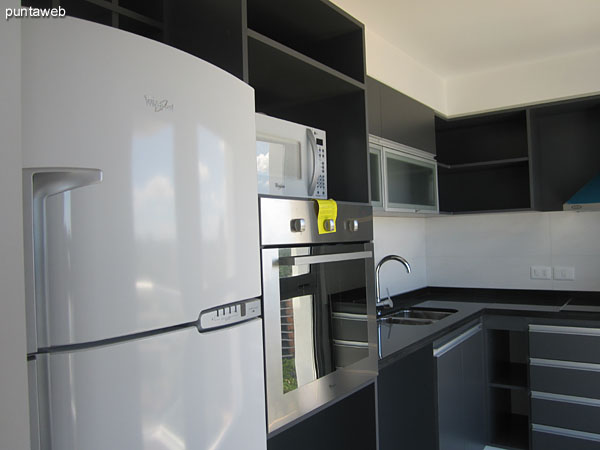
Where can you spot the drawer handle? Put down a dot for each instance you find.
(565, 398)
(439, 351)
(566, 432)
(552, 329)
(557, 364)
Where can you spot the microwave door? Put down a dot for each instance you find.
(280, 166)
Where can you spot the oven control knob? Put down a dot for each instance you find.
(298, 225)
(329, 225)
(353, 225)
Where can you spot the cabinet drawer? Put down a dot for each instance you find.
(565, 343)
(575, 413)
(565, 377)
(551, 438)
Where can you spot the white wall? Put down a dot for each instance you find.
(393, 67)
(571, 76)
(497, 250)
(489, 250)
(14, 425)
(404, 237)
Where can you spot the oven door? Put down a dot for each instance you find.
(320, 326)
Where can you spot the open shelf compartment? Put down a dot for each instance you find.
(317, 29)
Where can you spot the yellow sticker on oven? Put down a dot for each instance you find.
(326, 216)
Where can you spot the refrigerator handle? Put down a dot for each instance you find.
(39, 184)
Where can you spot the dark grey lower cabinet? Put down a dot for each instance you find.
(347, 424)
(564, 373)
(406, 403)
(460, 376)
(561, 439)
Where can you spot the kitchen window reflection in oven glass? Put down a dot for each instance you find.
(323, 317)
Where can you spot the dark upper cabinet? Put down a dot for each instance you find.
(319, 30)
(306, 64)
(483, 162)
(209, 29)
(531, 158)
(374, 106)
(565, 147)
(399, 118)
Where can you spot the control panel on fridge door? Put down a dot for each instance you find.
(230, 314)
(321, 165)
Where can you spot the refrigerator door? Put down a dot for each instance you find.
(172, 226)
(175, 391)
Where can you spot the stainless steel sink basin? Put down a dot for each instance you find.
(416, 316)
(403, 321)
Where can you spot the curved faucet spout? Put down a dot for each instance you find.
(400, 259)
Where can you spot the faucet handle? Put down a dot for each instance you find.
(391, 302)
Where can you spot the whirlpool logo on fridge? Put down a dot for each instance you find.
(158, 105)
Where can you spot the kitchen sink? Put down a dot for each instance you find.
(416, 316)
(404, 321)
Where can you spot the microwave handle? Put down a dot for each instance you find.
(313, 145)
(321, 259)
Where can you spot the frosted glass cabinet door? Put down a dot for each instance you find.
(410, 182)
(375, 162)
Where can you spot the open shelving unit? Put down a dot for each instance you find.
(317, 29)
(508, 388)
(306, 64)
(484, 163)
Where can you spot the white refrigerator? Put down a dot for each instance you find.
(141, 239)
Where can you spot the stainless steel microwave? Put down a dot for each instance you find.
(291, 159)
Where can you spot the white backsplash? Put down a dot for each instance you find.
(490, 250)
(404, 237)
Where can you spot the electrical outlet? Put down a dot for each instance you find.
(540, 272)
(564, 273)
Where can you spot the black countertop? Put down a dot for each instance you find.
(509, 296)
(397, 341)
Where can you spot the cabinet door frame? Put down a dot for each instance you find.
(377, 149)
(409, 155)
(448, 353)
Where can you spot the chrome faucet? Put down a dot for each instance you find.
(388, 301)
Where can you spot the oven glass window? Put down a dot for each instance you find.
(323, 314)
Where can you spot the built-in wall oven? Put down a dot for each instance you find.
(319, 306)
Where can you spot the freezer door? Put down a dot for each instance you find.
(177, 391)
(170, 227)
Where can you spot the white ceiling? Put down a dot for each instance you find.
(458, 37)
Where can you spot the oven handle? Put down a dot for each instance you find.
(321, 259)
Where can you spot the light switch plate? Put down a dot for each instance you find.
(540, 272)
(564, 273)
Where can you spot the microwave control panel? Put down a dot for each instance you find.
(321, 165)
